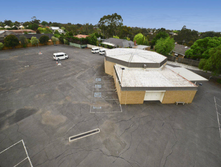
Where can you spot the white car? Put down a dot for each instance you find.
(60, 56)
(95, 50)
(102, 51)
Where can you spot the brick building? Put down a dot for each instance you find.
(143, 76)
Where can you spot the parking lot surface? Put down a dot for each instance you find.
(42, 104)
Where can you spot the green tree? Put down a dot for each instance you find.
(11, 41)
(44, 23)
(41, 30)
(92, 39)
(200, 48)
(61, 39)
(34, 40)
(165, 46)
(140, 39)
(33, 26)
(213, 63)
(1, 45)
(110, 23)
(54, 40)
(8, 22)
(210, 34)
(116, 37)
(23, 40)
(16, 24)
(26, 24)
(35, 20)
(161, 34)
(185, 35)
(43, 39)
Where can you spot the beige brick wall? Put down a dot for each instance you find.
(109, 67)
(128, 97)
(179, 96)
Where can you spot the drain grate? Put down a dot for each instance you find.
(98, 86)
(96, 107)
(83, 135)
(98, 79)
(97, 94)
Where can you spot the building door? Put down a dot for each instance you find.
(154, 95)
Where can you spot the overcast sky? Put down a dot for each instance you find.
(170, 14)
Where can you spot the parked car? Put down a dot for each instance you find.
(60, 56)
(95, 50)
(102, 51)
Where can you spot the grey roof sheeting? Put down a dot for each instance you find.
(120, 42)
(157, 86)
(180, 49)
(135, 58)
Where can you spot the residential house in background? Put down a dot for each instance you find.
(58, 29)
(179, 50)
(121, 43)
(7, 26)
(21, 27)
(142, 47)
(81, 36)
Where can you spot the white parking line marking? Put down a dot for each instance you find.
(217, 114)
(26, 152)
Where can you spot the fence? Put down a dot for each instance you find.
(188, 61)
(30, 45)
(77, 45)
(184, 61)
(171, 58)
(93, 46)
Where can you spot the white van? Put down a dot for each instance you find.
(95, 50)
(102, 51)
(60, 56)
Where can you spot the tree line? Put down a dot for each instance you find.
(205, 46)
(112, 25)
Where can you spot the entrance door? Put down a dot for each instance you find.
(154, 95)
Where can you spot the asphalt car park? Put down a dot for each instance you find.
(42, 104)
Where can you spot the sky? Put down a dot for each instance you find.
(200, 15)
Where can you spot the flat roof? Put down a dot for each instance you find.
(135, 55)
(191, 76)
(152, 79)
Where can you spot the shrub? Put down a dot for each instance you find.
(92, 39)
(53, 39)
(23, 40)
(34, 40)
(11, 41)
(44, 39)
(66, 41)
(61, 39)
(1, 45)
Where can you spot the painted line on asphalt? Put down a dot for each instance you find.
(217, 114)
(26, 152)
